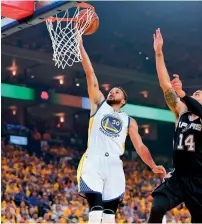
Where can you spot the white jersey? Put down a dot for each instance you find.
(107, 130)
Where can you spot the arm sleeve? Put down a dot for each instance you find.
(193, 105)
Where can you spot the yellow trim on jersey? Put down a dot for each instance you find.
(91, 121)
(79, 170)
(123, 147)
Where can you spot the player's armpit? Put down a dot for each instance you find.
(173, 101)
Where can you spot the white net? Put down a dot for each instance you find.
(65, 34)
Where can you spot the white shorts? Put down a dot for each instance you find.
(102, 174)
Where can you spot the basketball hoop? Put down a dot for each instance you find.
(65, 34)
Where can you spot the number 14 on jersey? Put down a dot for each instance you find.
(186, 143)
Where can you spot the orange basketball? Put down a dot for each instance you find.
(94, 23)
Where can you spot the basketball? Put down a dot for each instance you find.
(94, 23)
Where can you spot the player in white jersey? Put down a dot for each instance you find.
(100, 173)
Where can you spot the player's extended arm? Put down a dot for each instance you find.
(95, 94)
(142, 150)
(171, 97)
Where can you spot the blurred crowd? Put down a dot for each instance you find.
(35, 191)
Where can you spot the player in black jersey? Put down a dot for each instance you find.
(185, 183)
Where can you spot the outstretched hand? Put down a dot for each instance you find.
(158, 41)
(177, 85)
(159, 169)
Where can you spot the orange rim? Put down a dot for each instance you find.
(81, 5)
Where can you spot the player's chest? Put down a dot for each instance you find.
(113, 124)
(187, 126)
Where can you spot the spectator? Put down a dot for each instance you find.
(44, 192)
(36, 135)
(34, 199)
(46, 136)
(20, 196)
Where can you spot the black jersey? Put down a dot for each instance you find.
(187, 155)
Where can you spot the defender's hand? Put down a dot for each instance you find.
(159, 169)
(177, 86)
(158, 42)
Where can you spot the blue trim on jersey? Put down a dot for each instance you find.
(98, 108)
(84, 186)
(89, 192)
(119, 197)
(128, 121)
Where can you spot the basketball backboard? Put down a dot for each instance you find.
(43, 9)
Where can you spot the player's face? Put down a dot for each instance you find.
(115, 97)
(198, 96)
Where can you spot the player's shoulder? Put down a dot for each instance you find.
(182, 115)
(123, 113)
(132, 123)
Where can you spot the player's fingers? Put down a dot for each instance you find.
(159, 33)
(176, 76)
(154, 37)
(174, 80)
(163, 171)
(161, 167)
(176, 85)
(158, 170)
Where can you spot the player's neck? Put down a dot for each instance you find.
(116, 108)
(193, 117)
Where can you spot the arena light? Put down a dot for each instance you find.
(106, 87)
(144, 93)
(61, 81)
(146, 128)
(44, 95)
(61, 117)
(14, 109)
(13, 68)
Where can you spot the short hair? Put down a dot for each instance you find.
(124, 93)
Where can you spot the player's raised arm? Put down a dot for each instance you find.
(171, 97)
(95, 94)
(142, 150)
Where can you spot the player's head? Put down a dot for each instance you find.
(117, 96)
(198, 96)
